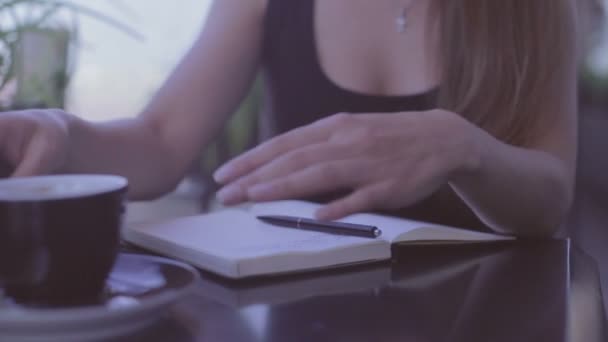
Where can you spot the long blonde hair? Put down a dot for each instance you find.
(502, 58)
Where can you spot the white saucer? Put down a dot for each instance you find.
(140, 291)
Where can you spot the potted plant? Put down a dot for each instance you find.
(36, 40)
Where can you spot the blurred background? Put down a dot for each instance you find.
(588, 222)
(110, 55)
(111, 64)
(104, 59)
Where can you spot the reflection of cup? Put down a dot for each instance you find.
(59, 236)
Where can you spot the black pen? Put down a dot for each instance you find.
(341, 228)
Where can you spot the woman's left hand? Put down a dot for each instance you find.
(388, 160)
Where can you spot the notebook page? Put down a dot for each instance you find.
(394, 229)
(289, 290)
(391, 227)
(237, 237)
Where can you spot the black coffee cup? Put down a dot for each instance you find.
(59, 237)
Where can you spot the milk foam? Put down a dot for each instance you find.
(58, 187)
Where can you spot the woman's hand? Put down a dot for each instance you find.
(34, 141)
(388, 161)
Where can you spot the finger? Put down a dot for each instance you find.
(313, 180)
(365, 199)
(300, 159)
(294, 161)
(264, 153)
(11, 139)
(34, 161)
(232, 194)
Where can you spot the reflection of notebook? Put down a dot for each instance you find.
(442, 263)
(233, 243)
(441, 286)
(437, 279)
(289, 289)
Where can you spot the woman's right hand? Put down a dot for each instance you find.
(34, 142)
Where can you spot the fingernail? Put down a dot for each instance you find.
(223, 174)
(326, 214)
(231, 194)
(260, 191)
(322, 214)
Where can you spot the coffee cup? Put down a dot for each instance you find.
(59, 237)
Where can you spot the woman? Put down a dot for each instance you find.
(465, 111)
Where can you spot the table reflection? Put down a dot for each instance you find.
(513, 291)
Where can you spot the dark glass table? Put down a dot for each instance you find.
(508, 291)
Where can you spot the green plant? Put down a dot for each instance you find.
(19, 16)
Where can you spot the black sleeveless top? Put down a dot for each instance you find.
(298, 92)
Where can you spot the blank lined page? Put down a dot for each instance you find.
(391, 227)
(238, 237)
(394, 229)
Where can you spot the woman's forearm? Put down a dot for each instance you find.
(155, 149)
(131, 148)
(515, 190)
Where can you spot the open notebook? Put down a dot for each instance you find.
(235, 244)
